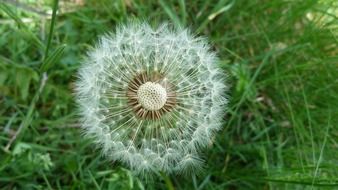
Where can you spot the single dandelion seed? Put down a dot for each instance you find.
(151, 98)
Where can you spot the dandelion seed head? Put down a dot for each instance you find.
(151, 98)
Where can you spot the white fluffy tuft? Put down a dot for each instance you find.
(170, 143)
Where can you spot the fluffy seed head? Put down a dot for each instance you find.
(151, 98)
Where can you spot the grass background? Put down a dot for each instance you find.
(280, 131)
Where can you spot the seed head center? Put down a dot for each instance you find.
(152, 96)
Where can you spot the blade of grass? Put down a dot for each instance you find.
(221, 7)
(51, 30)
(184, 12)
(321, 151)
(94, 180)
(167, 181)
(170, 13)
(43, 78)
(53, 58)
(221, 10)
(29, 116)
(24, 30)
(46, 180)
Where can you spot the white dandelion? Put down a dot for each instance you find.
(151, 98)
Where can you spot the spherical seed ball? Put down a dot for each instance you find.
(151, 98)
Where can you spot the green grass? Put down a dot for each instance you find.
(280, 131)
